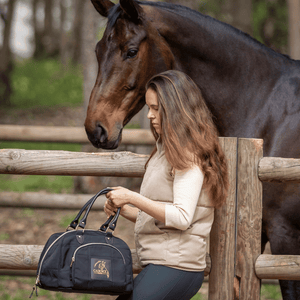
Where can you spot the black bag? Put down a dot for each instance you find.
(86, 261)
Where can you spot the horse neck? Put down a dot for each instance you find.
(227, 65)
(216, 46)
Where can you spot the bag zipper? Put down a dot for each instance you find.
(37, 279)
(39, 271)
(103, 244)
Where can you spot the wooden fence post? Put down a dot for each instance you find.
(249, 219)
(222, 238)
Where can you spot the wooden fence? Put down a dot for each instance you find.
(235, 263)
(67, 134)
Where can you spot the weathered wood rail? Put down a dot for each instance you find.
(43, 162)
(284, 267)
(122, 164)
(48, 201)
(279, 169)
(67, 134)
(235, 242)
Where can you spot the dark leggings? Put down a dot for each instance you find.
(157, 282)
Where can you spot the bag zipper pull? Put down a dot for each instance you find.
(35, 286)
(34, 289)
(73, 259)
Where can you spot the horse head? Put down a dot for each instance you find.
(130, 52)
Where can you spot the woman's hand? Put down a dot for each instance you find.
(120, 196)
(117, 198)
(109, 208)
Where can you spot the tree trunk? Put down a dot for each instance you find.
(48, 37)
(6, 57)
(38, 32)
(63, 50)
(78, 31)
(88, 57)
(294, 28)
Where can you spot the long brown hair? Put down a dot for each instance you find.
(189, 135)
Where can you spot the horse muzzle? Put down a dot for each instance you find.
(99, 138)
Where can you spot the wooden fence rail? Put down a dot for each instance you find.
(67, 134)
(42, 162)
(284, 267)
(122, 164)
(279, 169)
(48, 201)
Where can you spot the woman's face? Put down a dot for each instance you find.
(153, 114)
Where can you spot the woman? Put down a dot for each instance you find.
(185, 179)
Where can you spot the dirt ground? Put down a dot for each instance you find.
(34, 227)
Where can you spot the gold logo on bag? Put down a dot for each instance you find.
(100, 268)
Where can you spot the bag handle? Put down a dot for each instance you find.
(111, 222)
(74, 223)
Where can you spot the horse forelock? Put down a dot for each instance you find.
(113, 16)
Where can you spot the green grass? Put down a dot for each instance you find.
(46, 83)
(197, 297)
(66, 220)
(39, 146)
(23, 293)
(270, 292)
(4, 236)
(33, 183)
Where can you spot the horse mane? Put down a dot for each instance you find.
(196, 17)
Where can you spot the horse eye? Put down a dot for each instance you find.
(132, 53)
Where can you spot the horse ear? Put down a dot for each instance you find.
(103, 6)
(131, 8)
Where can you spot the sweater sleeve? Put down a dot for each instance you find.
(186, 191)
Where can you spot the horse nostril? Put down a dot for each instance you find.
(100, 133)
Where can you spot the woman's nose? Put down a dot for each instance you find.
(149, 115)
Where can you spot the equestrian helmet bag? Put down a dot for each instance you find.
(86, 261)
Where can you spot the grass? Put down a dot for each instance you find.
(46, 83)
(270, 292)
(26, 285)
(66, 220)
(198, 297)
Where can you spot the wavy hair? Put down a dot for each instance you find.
(189, 135)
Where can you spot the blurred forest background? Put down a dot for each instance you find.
(47, 71)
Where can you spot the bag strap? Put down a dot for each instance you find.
(83, 221)
(111, 223)
(74, 223)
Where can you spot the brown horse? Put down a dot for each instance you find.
(252, 91)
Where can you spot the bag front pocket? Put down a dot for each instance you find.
(98, 267)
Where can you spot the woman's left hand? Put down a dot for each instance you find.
(119, 196)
